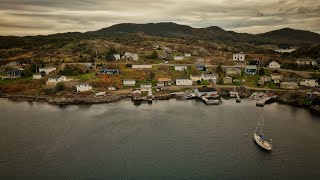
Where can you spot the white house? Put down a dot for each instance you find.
(195, 77)
(47, 70)
(307, 61)
(142, 66)
(129, 82)
(131, 56)
(36, 76)
(274, 65)
(84, 88)
(117, 56)
(210, 77)
(180, 68)
(183, 82)
(178, 58)
(309, 82)
(187, 55)
(145, 87)
(239, 57)
(55, 80)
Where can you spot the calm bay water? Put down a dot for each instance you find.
(165, 140)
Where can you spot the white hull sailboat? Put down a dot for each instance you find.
(258, 136)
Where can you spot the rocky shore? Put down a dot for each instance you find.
(289, 98)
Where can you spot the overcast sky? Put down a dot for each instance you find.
(31, 17)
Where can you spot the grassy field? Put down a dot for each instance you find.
(86, 77)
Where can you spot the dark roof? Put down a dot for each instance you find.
(206, 89)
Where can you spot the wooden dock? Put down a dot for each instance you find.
(210, 101)
(264, 100)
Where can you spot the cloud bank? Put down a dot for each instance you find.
(32, 17)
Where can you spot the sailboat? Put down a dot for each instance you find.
(258, 136)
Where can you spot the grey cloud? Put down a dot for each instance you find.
(48, 16)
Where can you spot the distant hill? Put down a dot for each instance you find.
(286, 36)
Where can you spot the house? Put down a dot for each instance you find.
(36, 76)
(265, 79)
(180, 68)
(239, 57)
(200, 67)
(163, 56)
(251, 70)
(307, 61)
(289, 85)
(276, 76)
(53, 81)
(164, 82)
(187, 55)
(47, 70)
(309, 83)
(205, 91)
(183, 82)
(129, 82)
(117, 57)
(131, 56)
(112, 88)
(233, 71)
(109, 71)
(227, 80)
(314, 93)
(274, 65)
(195, 78)
(14, 72)
(210, 77)
(178, 58)
(145, 87)
(142, 66)
(84, 88)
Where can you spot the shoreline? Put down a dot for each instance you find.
(65, 101)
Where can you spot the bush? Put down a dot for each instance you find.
(60, 86)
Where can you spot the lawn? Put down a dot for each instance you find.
(251, 80)
(86, 77)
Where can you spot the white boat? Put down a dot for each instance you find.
(258, 136)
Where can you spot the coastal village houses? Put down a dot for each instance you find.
(227, 80)
(187, 55)
(309, 83)
(178, 58)
(109, 71)
(210, 77)
(164, 82)
(129, 82)
(14, 72)
(195, 78)
(307, 61)
(184, 82)
(117, 57)
(84, 87)
(53, 81)
(131, 56)
(233, 71)
(47, 70)
(239, 57)
(251, 70)
(289, 85)
(36, 76)
(145, 87)
(180, 68)
(276, 78)
(274, 65)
